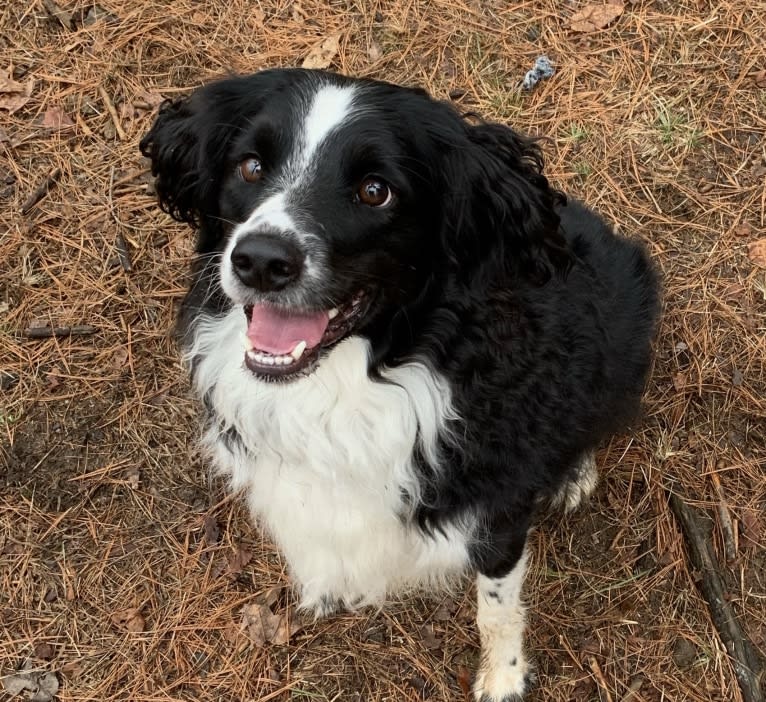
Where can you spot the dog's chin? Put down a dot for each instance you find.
(288, 365)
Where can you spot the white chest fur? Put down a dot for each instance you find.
(326, 464)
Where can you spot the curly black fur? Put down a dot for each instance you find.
(538, 315)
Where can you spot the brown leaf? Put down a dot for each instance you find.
(759, 78)
(14, 95)
(464, 680)
(262, 626)
(129, 619)
(323, 52)
(375, 52)
(429, 638)
(120, 357)
(237, 560)
(55, 118)
(592, 18)
(679, 381)
(212, 532)
(756, 252)
(743, 229)
(147, 98)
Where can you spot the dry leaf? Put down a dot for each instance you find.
(592, 18)
(55, 118)
(759, 78)
(743, 229)
(55, 10)
(375, 52)
(14, 95)
(679, 381)
(120, 357)
(130, 620)
(429, 638)
(262, 626)
(42, 685)
(237, 560)
(756, 252)
(146, 98)
(212, 532)
(323, 52)
(464, 680)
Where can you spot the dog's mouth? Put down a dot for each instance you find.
(281, 344)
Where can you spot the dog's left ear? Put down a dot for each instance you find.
(502, 204)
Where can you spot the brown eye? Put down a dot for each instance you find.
(374, 192)
(251, 170)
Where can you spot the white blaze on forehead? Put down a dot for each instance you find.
(323, 112)
(330, 107)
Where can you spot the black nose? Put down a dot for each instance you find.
(266, 262)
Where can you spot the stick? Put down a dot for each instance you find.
(745, 659)
(49, 332)
(596, 668)
(727, 527)
(40, 191)
(123, 253)
(112, 113)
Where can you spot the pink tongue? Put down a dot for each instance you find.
(278, 332)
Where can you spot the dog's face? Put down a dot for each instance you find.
(334, 203)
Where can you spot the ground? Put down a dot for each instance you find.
(131, 575)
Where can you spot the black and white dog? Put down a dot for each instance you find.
(406, 341)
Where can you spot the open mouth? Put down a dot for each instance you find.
(282, 343)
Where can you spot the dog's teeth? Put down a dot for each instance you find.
(247, 343)
(252, 355)
(333, 313)
(268, 360)
(297, 352)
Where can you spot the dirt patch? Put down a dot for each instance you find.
(122, 564)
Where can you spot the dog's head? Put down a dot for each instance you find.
(334, 205)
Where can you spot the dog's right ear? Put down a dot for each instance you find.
(189, 141)
(185, 161)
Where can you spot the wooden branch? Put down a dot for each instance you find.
(110, 108)
(727, 525)
(123, 253)
(747, 667)
(40, 191)
(50, 332)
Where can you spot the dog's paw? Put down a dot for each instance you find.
(581, 487)
(508, 681)
(321, 607)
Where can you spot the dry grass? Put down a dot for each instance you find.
(104, 506)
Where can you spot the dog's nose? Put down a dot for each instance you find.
(265, 262)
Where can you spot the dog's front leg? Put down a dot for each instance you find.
(504, 673)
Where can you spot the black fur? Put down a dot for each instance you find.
(538, 315)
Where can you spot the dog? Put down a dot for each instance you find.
(405, 340)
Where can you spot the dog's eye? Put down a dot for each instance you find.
(374, 192)
(251, 170)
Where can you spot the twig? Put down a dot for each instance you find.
(49, 332)
(123, 253)
(112, 113)
(596, 668)
(745, 659)
(727, 527)
(40, 191)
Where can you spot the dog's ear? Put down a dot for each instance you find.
(502, 205)
(188, 142)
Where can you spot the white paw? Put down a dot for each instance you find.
(577, 490)
(502, 681)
